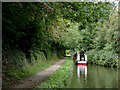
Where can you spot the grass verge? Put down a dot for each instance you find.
(13, 75)
(61, 77)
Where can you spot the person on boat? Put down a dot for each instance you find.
(83, 56)
(75, 56)
(82, 66)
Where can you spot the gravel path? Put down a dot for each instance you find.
(36, 79)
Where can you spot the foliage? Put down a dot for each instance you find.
(12, 71)
(42, 31)
(50, 27)
(45, 25)
(60, 78)
(105, 44)
(105, 58)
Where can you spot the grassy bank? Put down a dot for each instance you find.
(17, 74)
(61, 77)
(17, 67)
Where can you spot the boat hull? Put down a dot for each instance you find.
(81, 63)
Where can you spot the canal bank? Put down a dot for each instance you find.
(34, 80)
(68, 77)
(61, 77)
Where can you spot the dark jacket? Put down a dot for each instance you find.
(82, 54)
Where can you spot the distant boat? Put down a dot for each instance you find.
(82, 63)
(81, 66)
(83, 60)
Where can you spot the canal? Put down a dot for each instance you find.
(93, 76)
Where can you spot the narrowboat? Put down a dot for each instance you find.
(82, 61)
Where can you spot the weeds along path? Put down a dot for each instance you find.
(36, 79)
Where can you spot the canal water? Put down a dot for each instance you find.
(93, 76)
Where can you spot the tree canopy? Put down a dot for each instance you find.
(56, 25)
(27, 25)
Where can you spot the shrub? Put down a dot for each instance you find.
(103, 57)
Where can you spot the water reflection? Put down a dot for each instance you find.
(82, 71)
(93, 76)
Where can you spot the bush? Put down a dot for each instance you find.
(102, 57)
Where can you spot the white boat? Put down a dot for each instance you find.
(78, 62)
(82, 63)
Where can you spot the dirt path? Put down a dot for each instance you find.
(36, 79)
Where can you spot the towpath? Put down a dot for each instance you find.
(36, 79)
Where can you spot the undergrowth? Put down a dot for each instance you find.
(17, 67)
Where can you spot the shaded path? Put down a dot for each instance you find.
(36, 79)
